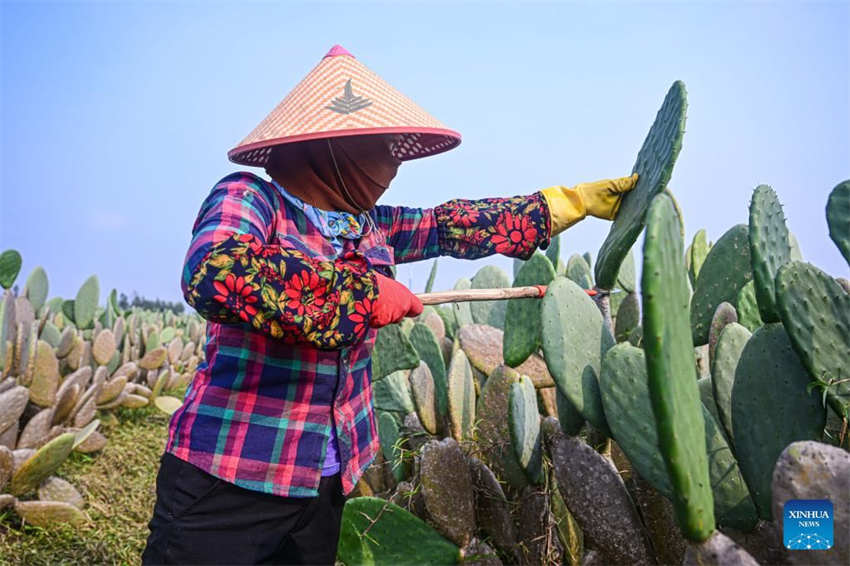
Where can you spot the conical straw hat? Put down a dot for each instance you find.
(341, 97)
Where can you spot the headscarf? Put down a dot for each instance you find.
(347, 173)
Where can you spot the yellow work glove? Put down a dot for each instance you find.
(568, 205)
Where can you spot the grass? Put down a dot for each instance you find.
(118, 485)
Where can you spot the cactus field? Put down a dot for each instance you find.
(664, 420)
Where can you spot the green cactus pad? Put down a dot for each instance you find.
(522, 318)
(838, 217)
(375, 532)
(432, 275)
(167, 335)
(569, 417)
(45, 377)
(426, 345)
(463, 310)
(390, 435)
(36, 288)
(424, 397)
(723, 315)
(672, 370)
(489, 312)
(698, 250)
(574, 341)
(493, 429)
(579, 272)
(393, 393)
(553, 252)
(726, 269)
(461, 396)
(85, 303)
(626, 278)
(167, 404)
(7, 332)
(10, 266)
(748, 309)
(625, 396)
(524, 421)
(816, 313)
(731, 343)
(49, 513)
(654, 166)
(628, 317)
(769, 247)
(41, 464)
(771, 408)
(393, 352)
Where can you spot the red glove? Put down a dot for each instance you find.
(394, 302)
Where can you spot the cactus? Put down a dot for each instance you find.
(553, 252)
(816, 313)
(626, 276)
(524, 427)
(579, 272)
(7, 332)
(41, 464)
(602, 507)
(167, 404)
(461, 397)
(717, 550)
(424, 396)
(838, 217)
(447, 489)
(731, 343)
(493, 428)
(492, 511)
(522, 316)
(463, 311)
(429, 351)
(574, 340)
(769, 247)
(374, 531)
(697, 252)
(671, 368)
(482, 344)
(47, 513)
(726, 269)
(45, 379)
(432, 275)
(770, 408)
(489, 312)
(393, 352)
(85, 303)
(57, 489)
(36, 288)
(390, 435)
(569, 417)
(654, 166)
(723, 315)
(13, 402)
(628, 317)
(10, 266)
(393, 393)
(748, 310)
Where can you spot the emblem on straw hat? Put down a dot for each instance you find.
(342, 97)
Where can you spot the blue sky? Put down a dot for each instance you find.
(116, 118)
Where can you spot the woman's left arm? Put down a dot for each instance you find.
(512, 226)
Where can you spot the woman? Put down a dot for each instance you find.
(294, 277)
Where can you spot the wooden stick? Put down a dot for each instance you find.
(464, 295)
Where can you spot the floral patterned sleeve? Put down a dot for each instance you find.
(232, 276)
(468, 229)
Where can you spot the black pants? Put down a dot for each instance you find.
(200, 519)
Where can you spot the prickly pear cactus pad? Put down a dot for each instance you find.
(731, 343)
(522, 316)
(838, 217)
(36, 288)
(816, 313)
(574, 341)
(424, 397)
(393, 351)
(524, 420)
(748, 308)
(769, 247)
(376, 532)
(697, 252)
(463, 310)
(672, 372)
(654, 166)
(579, 272)
(494, 435)
(723, 315)
(489, 312)
(393, 393)
(10, 266)
(625, 397)
(771, 408)
(461, 396)
(447, 489)
(426, 345)
(85, 303)
(569, 418)
(388, 431)
(726, 269)
(595, 493)
(41, 464)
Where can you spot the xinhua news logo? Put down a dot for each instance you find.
(807, 524)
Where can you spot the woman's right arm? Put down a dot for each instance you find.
(231, 275)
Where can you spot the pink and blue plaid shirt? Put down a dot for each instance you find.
(288, 351)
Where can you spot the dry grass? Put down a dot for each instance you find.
(118, 487)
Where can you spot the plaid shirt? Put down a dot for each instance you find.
(288, 352)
